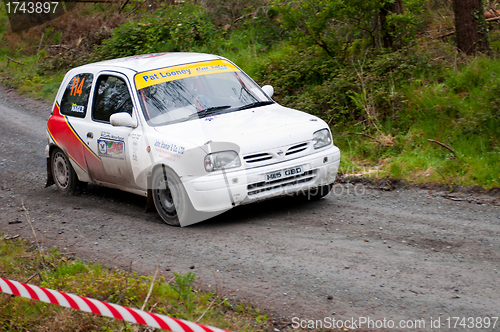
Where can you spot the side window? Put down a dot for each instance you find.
(76, 96)
(111, 96)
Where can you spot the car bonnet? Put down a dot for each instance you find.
(252, 130)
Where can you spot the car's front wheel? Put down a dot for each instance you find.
(167, 190)
(63, 173)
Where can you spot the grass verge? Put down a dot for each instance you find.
(172, 296)
(447, 132)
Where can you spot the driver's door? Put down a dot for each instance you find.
(108, 160)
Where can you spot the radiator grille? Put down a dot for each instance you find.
(259, 187)
(296, 149)
(254, 158)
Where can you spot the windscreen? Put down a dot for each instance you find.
(188, 92)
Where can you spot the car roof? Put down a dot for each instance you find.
(145, 62)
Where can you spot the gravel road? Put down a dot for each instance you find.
(402, 254)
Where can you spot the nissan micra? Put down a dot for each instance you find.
(191, 132)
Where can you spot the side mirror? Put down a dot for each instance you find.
(269, 90)
(122, 119)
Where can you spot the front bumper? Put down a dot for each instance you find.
(223, 190)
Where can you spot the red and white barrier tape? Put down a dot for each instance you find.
(102, 308)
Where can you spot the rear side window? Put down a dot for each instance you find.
(111, 96)
(76, 96)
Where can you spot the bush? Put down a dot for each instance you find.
(177, 28)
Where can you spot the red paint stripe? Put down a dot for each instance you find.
(184, 325)
(51, 296)
(161, 322)
(30, 290)
(136, 316)
(92, 306)
(67, 139)
(116, 314)
(13, 288)
(79, 138)
(71, 302)
(205, 328)
(55, 111)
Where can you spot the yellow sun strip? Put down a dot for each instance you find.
(152, 77)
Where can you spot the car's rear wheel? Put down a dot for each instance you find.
(319, 192)
(63, 173)
(166, 192)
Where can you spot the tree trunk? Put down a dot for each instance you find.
(470, 26)
(387, 38)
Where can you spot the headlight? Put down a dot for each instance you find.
(221, 160)
(322, 138)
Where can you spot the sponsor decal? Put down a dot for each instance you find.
(135, 144)
(152, 77)
(77, 108)
(168, 151)
(169, 147)
(210, 118)
(105, 134)
(111, 149)
(135, 136)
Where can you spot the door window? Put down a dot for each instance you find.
(76, 96)
(111, 96)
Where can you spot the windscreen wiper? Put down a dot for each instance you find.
(206, 112)
(256, 104)
(212, 110)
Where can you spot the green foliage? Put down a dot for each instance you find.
(3, 28)
(346, 28)
(405, 26)
(184, 285)
(170, 29)
(463, 112)
(184, 289)
(330, 89)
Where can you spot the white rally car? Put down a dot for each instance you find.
(191, 132)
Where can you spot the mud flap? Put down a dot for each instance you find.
(50, 179)
(150, 205)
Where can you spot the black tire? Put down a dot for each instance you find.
(166, 188)
(63, 173)
(319, 192)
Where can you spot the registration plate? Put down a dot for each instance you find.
(284, 173)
